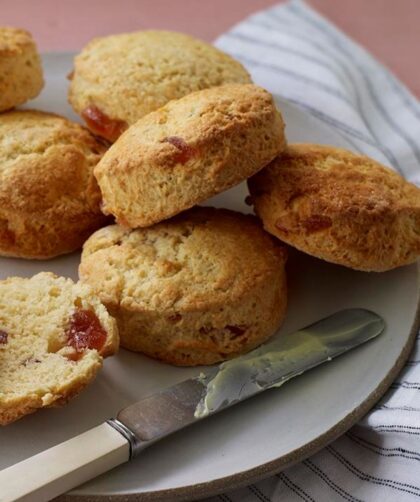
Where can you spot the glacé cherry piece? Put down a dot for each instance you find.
(101, 124)
(185, 151)
(3, 337)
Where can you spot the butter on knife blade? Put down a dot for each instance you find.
(274, 363)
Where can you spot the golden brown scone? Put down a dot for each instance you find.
(202, 287)
(53, 337)
(49, 198)
(188, 151)
(120, 78)
(338, 206)
(20, 68)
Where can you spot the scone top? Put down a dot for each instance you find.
(188, 151)
(339, 206)
(120, 78)
(14, 40)
(204, 256)
(49, 198)
(20, 65)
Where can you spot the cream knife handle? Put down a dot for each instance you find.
(65, 466)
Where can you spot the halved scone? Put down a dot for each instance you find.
(53, 337)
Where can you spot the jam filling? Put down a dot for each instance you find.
(185, 152)
(101, 124)
(85, 331)
(3, 337)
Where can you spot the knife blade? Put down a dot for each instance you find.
(270, 365)
(154, 417)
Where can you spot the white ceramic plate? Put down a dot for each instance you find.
(260, 436)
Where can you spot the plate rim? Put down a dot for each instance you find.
(249, 476)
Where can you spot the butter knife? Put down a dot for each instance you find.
(69, 464)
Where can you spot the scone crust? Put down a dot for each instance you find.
(49, 198)
(38, 368)
(202, 287)
(188, 151)
(338, 206)
(147, 68)
(20, 68)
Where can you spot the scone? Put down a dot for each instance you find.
(20, 68)
(49, 198)
(53, 337)
(338, 206)
(205, 286)
(188, 151)
(120, 78)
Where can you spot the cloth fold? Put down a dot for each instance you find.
(299, 56)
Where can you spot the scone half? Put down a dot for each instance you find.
(53, 337)
(203, 287)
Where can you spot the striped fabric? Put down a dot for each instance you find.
(296, 54)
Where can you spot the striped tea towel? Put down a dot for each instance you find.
(295, 53)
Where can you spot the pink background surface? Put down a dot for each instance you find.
(388, 28)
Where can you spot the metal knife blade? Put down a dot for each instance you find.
(272, 364)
